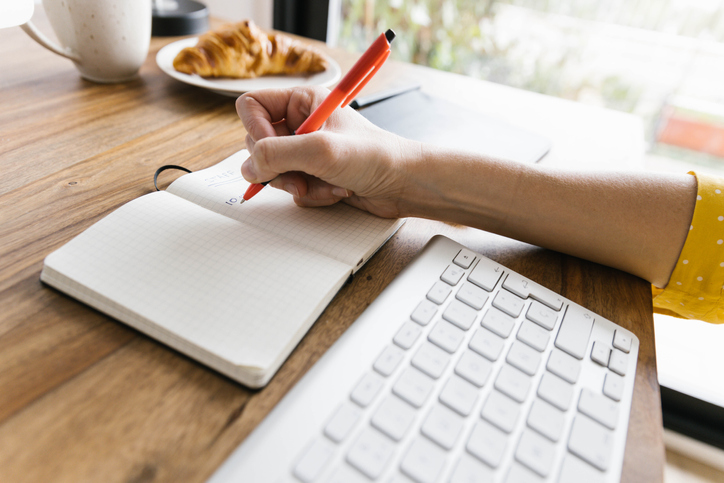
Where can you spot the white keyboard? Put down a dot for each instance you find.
(460, 371)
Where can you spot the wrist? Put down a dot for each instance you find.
(459, 187)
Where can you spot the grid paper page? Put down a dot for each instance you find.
(340, 231)
(208, 281)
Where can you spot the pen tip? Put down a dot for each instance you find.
(389, 35)
(242, 201)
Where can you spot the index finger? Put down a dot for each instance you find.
(260, 110)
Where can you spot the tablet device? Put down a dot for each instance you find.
(419, 116)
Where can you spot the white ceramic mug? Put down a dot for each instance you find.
(106, 39)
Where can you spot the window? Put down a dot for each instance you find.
(662, 60)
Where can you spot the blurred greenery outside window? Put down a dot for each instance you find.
(662, 60)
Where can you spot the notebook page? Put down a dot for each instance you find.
(340, 231)
(198, 280)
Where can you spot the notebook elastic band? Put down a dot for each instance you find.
(164, 168)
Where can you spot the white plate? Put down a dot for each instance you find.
(235, 87)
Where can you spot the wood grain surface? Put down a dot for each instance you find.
(85, 398)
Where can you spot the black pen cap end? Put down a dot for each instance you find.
(389, 35)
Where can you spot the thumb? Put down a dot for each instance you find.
(313, 153)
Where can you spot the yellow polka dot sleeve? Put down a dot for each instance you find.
(696, 285)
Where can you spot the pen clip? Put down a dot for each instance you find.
(366, 78)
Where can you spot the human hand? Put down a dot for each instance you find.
(348, 159)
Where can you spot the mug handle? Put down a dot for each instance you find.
(38, 36)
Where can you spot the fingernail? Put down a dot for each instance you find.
(291, 189)
(341, 192)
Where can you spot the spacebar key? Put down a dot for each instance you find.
(575, 331)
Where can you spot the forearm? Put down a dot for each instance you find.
(635, 222)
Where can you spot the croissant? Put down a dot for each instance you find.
(244, 51)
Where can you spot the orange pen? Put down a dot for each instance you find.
(357, 77)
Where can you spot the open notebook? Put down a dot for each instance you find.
(234, 287)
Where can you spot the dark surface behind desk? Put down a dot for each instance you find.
(84, 398)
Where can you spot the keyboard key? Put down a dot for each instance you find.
(474, 368)
(487, 443)
(523, 357)
(548, 297)
(613, 386)
(486, 274)
(591, 441)
(517, 284)
(407, 335)
(446, 336)
(542, 315)
(464, 258)
(512, 382)
(439, 292)
(452, 274)
(575, 471)
(459, 395)
(598, 407)
(534, 335)
(556, 391)
(520, 474)
(470, 470)
(393, 417)
(313, 460)
(500, 410)
(424, 312)
(509, 303)
(345, 474)
(371, 452)
(460, 314)
(618, 362)
(498, 321)
(622, 340)
(524, 288)
(563, 365)
(366, 390)
(472, 295)
(443, 426)
(413, 386)
(546, 419)
(388, 361)
(487, 344)
(535, 452)
(424, 461)
(431, 360)
(600, 353)
(574, 331)
(342, 422)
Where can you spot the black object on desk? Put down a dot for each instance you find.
(171, 18)
(422, 117)
(365, 101)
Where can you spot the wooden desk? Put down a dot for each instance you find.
(84, 398)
